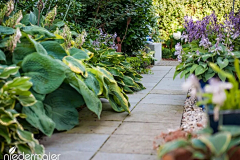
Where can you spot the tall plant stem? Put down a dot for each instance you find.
(67, 10)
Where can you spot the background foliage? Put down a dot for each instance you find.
(111, 16)
(171, 13)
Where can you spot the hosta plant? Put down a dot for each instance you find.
(208, 41)
(13, 90)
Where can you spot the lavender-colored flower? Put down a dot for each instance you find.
(217, 88)
(178, 51)
(205, 43)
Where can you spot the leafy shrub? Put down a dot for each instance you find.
(15, 90)
(112, 16)
(171, 13)
(141, 61)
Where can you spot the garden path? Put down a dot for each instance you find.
(119, 136)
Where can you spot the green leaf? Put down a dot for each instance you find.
(170, 146)
(2, 56)
(92, 101)
(7, 71)
(75, 65)
(222, 63)
(46, 73)
(37, 117)
(217, 143)
(54, 49)
(206, 56)
(6, 30)
(61, 107)
(4, 132)
(199, 70)
(209, 75)
(80, 54)
(32, 18)
(36, 30)
(22, 50)
(193, 68)
(39, 48)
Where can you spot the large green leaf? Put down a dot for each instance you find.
(199, 70)
(61, 106)
(93, 83)
(36, 30)
(218, 143)
(22, 50)
(46, 73)
(54, 49)
(91, 99)
(75, 65)
(80, 54)
(39, 48)
(37, 117)
(6, 30)
(222, 63)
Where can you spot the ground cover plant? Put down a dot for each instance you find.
(46, 75)
(208, 40)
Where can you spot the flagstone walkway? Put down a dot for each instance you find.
(119, 136)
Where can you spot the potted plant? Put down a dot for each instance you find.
(221, 146)
(223, 99)
(207, 41)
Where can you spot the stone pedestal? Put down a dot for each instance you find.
(157, 47)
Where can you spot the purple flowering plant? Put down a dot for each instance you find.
(208, 40)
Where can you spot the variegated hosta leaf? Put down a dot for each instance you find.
(81, 54)
(91, 99)
(5, 72)
(111, 90)
(75, 65)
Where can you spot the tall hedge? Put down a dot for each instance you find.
(171, 12)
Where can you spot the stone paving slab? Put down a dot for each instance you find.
(168, 91)
(147, 129)
(161, 68)
(164, 99)
(167, 63)
(74, 142)
(117, 156)
(71, 155)
(134, 144)
(156, 113)
(95, 127)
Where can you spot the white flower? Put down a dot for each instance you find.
(217, 88)
(177, 35)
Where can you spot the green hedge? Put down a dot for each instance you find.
(171, 13)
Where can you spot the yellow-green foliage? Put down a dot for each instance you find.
(171, 12)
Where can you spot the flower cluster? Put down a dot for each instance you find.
(105, 39)
(6, 11)
(178, 51)
(80, 39)
(13, 40)
(207, 29)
